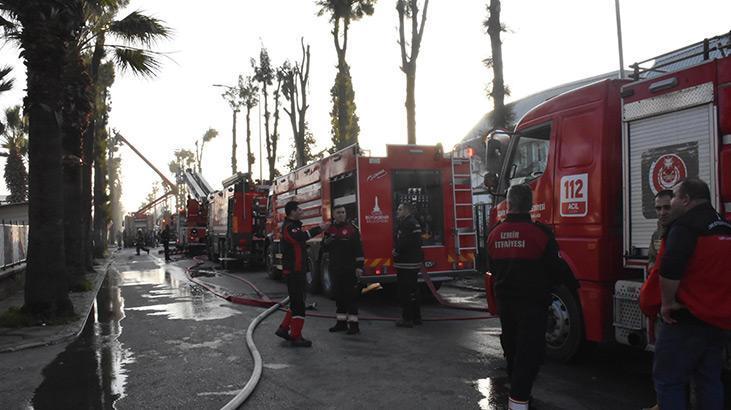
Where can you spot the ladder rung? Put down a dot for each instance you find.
(464, 219)
(463, 204)
(471, 248)
(462, 176)
(466, 233)
(463, 189)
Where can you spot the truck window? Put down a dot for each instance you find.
(531, 154)
(423, 189)
(343, 190)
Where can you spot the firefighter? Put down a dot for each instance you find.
(523, 257)
(165, 238)
(342, 242)
(662, 207)
(407, 259)
(294, 267)
(140, 242)
(695, 295)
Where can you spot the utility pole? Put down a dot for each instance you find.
(619, 39)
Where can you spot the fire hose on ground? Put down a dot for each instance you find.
(264, 301)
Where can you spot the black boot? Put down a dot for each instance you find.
(300, 342)
(340, 326)
(353, 328)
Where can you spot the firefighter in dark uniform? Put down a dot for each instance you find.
(524, 260)
(140, 242)
(407, 259)
(342, 242)
(294, 267)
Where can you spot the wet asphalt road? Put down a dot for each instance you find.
(155, 340)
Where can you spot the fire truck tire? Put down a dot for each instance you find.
(272, 270)
(312, 278)
(565, 329)
(326, 280)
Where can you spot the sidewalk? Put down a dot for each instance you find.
(14, 339)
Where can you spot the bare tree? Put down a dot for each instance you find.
(410, 9)
(498, 91)
(207, 137)
(250, 96)
(294, 88)
(265, 74)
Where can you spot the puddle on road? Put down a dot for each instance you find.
(191, 301)
(90, 373)
(495, 393)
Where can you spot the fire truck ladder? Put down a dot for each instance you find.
(198, 186)
(170, 188)
(465, 237)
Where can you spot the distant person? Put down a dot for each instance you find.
(345, 250)
(523, 256)
(294, 267)
(695, 300)
(408, 259)
(140, 242)
(165, 238)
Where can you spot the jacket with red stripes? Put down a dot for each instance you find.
(523, 258)
(342, 242)
(294, 246)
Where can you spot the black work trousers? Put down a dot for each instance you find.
(296, 287)
(408, 293)
(141, 245)
(166, 247)
(523, 340)
(346, 290)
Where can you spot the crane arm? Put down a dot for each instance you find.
(172, 187)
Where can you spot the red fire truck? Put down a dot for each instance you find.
(370, 188)
(237, 218)
(192, 221)
(595, 157)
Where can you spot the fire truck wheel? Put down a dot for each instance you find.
(312, 278)
(272, 270)
(326, 283)
(565, 328)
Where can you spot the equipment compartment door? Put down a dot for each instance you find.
(662, 150)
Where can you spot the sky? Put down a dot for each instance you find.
(547, 43)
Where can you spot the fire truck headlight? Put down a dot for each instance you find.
(378, 271)
(460, 265)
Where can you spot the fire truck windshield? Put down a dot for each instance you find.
(529, 155)
(496, 148)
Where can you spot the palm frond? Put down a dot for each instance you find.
(138, 28)
(6, 84)
(141, 62)
(9, 29)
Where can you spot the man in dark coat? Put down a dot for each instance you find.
(407, 259)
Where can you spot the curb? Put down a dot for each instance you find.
(82, 322)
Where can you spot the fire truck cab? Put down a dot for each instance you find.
(595, 157)
(371, 188)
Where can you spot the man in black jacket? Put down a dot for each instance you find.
(407, 259)
(294, 267)
(524, 260)
(345, 251)
(165, 239)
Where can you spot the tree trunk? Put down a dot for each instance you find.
(45, 36)
(88, 155)
(76, 113)
(100, 190)
(233, 144)
(411, 103)
(494, 28)
(249, 156)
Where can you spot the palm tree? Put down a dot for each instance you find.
(250, 95)
(501, 117)
(44, 29)
(207, 137)
(345, 128)
(15, 141)
(410, 9)
(134, 35)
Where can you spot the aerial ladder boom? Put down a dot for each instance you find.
(170, 188)
(198, 187)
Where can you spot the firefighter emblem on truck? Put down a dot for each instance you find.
(662, 168)
(376, 216)
(666, 171)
